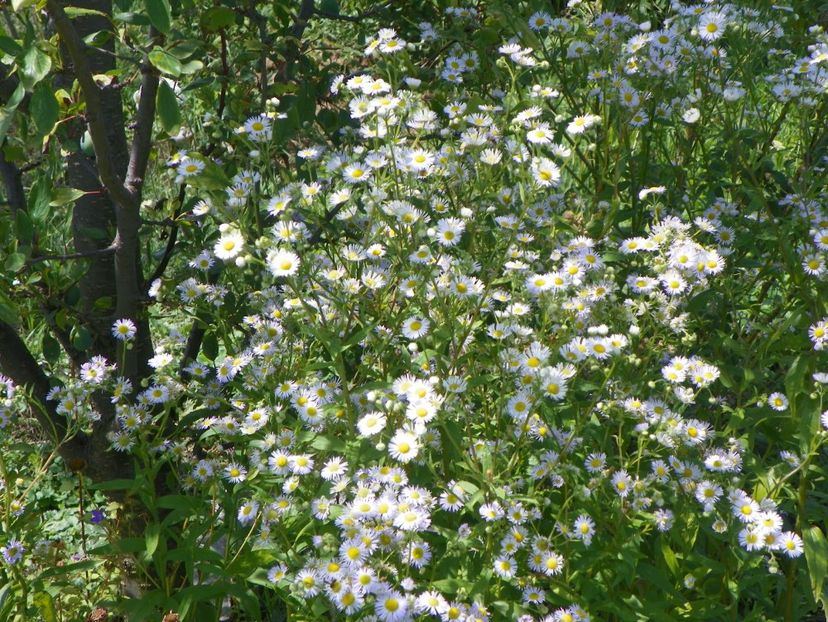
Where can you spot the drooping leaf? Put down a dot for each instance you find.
(151, 537)
(34, 66)
(158, 12)
(816, 554)
(44, 108)
(169, 114)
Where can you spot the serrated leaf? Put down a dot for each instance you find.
(168, 113)
(165, 62)
(158, 12)
(44, 108)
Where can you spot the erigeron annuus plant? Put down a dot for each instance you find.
(459, 366)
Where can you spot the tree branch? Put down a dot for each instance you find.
(17, 363)
(142, 138)
(98, 252)
(95, 117)
(165, 258)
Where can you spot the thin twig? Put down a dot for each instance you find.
(98, 252)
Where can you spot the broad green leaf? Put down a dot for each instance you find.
(217, 17)
(46, 606)
(14, 262)
(9, 46)
(330, 6)
(50, 348)
(159, 14)
(8, 312)
(209, 346)
(44, 108)
(168, 113)
(191, 66)
(81, 338)
(34, 66)
(64, 195)
(24, 227)
(165, 62)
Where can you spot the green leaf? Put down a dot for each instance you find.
(159, 14)
(191, 66)
(7, 111)
(151, 538)
(8, 312)
(64, 195)
(669, 557)
(81, 338)
(24, 227)
(50, 348)
(68, 569)
(168, 113)
(329, 6)
(17, 5)
(15, 262)
(34, 66)
(217, 17)
(165, 62)
(76, 11)
(46, 606)
(44, 108)
(136, 19)
(209, 346)
(816, 554)
(9, 46)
